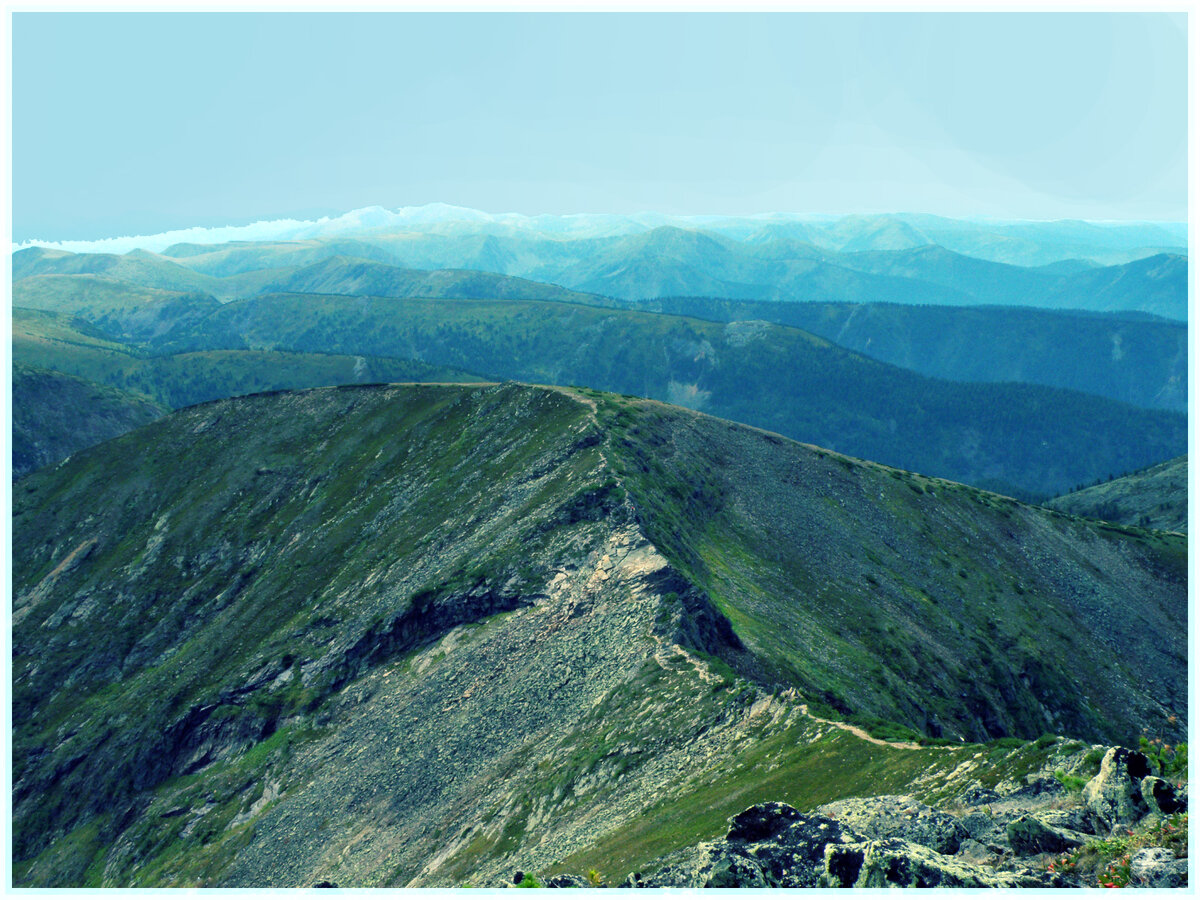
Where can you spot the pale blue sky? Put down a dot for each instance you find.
(136, 123)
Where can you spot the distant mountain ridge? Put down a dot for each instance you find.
(848, 260)
(1021, 242)
(154, 340)
(1025, 440)
(346, 275)
(1131, 357)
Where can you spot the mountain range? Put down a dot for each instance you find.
(434, 548)
(1021, 242)
(425, 635)
(881, 259)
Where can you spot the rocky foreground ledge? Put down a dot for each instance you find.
(1025, 834)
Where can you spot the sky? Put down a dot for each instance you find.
(136, 123)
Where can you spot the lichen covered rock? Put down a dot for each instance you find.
(900, 817)
(1157, 867)
(1161, 796)
(1030, 835)
(898, 863)
(768, 845)
(1115, 794)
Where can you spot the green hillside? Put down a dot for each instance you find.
(1156, 497)
(1025, 440)
(425, 635)
(71, 346)
(54, 415)
(1135, 359)
(345, 275)
(125, 311)
(912, 623)
(138, 267)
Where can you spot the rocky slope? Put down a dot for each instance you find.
(422, 635)
(1027, 832)
(1156, 497)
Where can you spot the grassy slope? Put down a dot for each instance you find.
(884, 594)
(359, 277)
(1021, 439)
(54, 415)
(127, 312)
(273, 552)
(243, 541)
(74, 347)
(1156, 497)
(1138, 361)
(138, 268)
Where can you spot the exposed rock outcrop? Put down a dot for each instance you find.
(1004, 839)
(1115, 794)
(898, 863)
(774, 845)
(1157, 867)
(903, 817)
(1030, 835)
(768, 845)
(1161, 797)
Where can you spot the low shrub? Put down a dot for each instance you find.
(1072, 783)
(1107, 861)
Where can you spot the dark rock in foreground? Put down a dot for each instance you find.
(1004, 840)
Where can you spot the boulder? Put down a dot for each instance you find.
(795, 857)
(768, 845)
(731, 869)
(1030, 835)
(710, 864)
(1157, 867)
(566, 881)
(979, 854)
(978, 795)
(900, 817)
(761, 821)
(1161, 797)
(1115, 794)
(1078, 818)
(898, 863)
(982, 827)
(1036, 786)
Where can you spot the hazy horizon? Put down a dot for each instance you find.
(285, 228)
